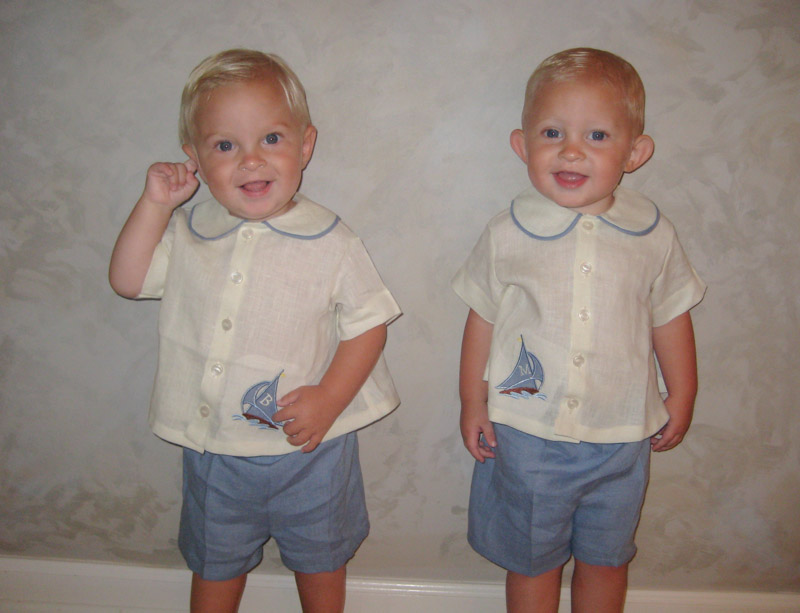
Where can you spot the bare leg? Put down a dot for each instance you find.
(539, 594)
(322, 592)
(599, 589)
(216, 596)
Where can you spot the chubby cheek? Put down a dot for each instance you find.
(538, 167)
(213, 175)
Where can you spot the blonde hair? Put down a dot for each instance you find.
(590, 64)
(234, 66)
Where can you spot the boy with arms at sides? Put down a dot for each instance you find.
(272, 324)
(570, 292)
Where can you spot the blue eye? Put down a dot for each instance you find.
(598, 135)
(225, 145)
(271, 139)
(551, 133)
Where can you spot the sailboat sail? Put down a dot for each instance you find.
(527, 377)
(259, 403)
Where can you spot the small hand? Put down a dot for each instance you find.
(170, 184)
(673, 432)
(478, 433)
(309, 412)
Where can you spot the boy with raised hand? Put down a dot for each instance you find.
(263, 292)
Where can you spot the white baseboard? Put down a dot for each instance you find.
(48, 586)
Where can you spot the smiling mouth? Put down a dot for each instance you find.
(570, 179)
(255, 187)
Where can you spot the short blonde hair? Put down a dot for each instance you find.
(590, 64)
(234, 66)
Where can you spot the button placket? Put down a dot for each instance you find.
(581, 329)
(231, 298)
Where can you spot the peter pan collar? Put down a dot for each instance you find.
(306, 220)
(543, 219)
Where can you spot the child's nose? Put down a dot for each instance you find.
(571, 151)
(251, 161)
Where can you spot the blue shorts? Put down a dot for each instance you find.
(311, 503)
(538, 502)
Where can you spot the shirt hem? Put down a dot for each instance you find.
(274, 447)
(581, 434)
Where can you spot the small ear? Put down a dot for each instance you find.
(642, 150)
(309, 140)
(518, 144)
(189, 150)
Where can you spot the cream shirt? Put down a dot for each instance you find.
(573, 299)
(251, 311)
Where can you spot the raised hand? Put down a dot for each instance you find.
(170, 184)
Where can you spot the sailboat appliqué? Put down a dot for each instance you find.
(259, 404)
(527, 378)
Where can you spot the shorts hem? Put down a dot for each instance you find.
(542, 565)
(334, 562)
(595, 559)
(217, 575)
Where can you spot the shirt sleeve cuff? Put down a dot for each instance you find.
(474, 296)
(681, 301)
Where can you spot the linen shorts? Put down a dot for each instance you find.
(311, 503)
(538, 502)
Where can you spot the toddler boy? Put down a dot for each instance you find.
(272, 324)
(571, 290)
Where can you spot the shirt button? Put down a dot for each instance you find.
(217, 369)
(583, 315)
(237, 277)
(227, 324)
(247, 234)
(588, 225)
(586, 268)
(205, 411)
(578, 360)
(572, 404)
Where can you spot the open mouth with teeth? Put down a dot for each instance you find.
(255, 188)
(570, 179)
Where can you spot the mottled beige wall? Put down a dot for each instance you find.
(414, 102)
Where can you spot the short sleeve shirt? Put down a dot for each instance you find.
(573, 299)
(251, 311)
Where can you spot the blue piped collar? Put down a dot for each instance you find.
(543, 219)
(306, 220)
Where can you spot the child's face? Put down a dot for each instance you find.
(577, 143)
(250, 149)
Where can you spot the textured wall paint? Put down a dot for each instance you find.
(414, 102)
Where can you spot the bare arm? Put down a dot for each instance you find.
(675, 349)
(167, 187)
(474, 390)
(312, 409)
